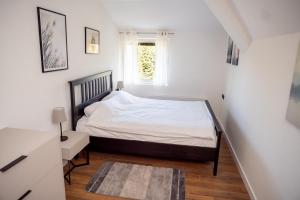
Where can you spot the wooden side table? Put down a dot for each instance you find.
(76, 142)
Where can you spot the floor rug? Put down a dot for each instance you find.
(138, 182)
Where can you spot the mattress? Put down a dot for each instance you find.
(188, 141)
(124, 116)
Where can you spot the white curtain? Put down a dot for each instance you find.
(161, 64)
(129, 58)
(129, 44)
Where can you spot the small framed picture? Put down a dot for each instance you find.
(233, 52)
(92, 41)
(229, 50)
(235, 55)
(53, 40)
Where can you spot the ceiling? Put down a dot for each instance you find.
(176, 15)
(262, 18)
(265, 18)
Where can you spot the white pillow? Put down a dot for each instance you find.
(113, 93)
(126, 98)
(115, 97)
(88, 111)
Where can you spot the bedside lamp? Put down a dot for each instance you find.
(59, 116)
(120, 85)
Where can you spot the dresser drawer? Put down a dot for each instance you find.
(21, 177)
(50, 187)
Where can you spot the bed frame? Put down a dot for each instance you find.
(90, 89)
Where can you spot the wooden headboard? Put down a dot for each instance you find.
(87, 90)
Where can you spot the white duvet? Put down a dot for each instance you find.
(126, 113)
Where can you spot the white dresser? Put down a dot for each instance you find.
(38, 173)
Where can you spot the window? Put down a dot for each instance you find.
(146, 61)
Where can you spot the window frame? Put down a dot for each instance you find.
(145, 40)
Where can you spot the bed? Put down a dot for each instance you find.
(119, 122)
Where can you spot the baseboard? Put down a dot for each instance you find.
(240, 167)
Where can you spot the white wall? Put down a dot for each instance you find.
(27, 95)
(266, 145)
(196, 68)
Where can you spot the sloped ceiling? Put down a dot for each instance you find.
(265, 18)
(181, 15)
(247, 20)
(244, 20)
(227, 15)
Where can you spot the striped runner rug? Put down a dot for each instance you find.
(138, 182)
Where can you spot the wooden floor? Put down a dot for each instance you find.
(199, 182)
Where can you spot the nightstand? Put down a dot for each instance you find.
(77, 141)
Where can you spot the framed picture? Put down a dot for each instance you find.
(53, 40)
(92, 41)
(293, 109)
(235, 55)
(233, 52)
(229, 50)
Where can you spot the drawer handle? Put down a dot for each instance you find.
(13, 163)
(24, 195)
